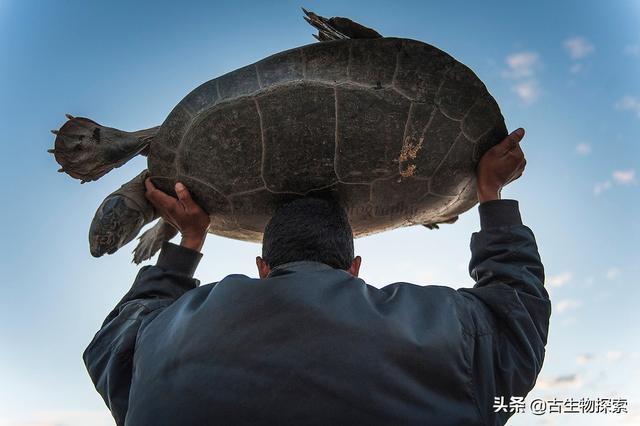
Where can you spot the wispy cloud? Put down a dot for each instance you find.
(584, 359)
(527, 91)
(572, 381)
(624, 177)
(559, 280)
(612, 273)
(632, 49)
(522, 64)
(614, 355)
(567, 304)
(629, 103)
(600, 187)
(611, 355)
(578, 47)
(583, 149)
(522, 67)
(576, 68)
(618, 177)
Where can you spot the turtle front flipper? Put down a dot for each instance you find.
(87, 151)
(151, 240)
(120, 217)
(338, 28)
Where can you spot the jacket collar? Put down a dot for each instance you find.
(299, 266)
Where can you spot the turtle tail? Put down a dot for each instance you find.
(338, 28)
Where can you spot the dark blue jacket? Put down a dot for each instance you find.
(312, 345)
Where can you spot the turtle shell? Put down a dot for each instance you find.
(392, 127)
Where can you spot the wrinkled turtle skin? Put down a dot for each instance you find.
(392, 127)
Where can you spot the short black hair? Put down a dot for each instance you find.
(309, 228)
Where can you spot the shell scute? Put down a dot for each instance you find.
(369, 136)
(421, 70)
(299, 123)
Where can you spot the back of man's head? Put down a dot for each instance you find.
(309, 228)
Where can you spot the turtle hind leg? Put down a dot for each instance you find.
(120, 217)
(87, 151)
(435, 225)
(431, 225)
(338, 28)
(151, 240)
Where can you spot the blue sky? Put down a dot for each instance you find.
(566, 71)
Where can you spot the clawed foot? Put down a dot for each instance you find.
(116, 222)
(87, 151)
(120, 217)
(435, 225)
(151, 241)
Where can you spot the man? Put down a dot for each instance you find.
(310, 343)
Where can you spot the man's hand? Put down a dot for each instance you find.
(499, 166)
(182, 212)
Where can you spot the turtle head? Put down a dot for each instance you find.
(87, 151)
(116, 222)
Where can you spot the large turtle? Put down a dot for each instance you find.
(392, 127)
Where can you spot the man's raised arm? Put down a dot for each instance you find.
(109, 356)
(508, 309)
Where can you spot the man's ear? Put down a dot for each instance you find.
(354, 269)
(263, 268)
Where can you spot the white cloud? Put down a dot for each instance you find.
(527, 91)
(612, 273)
(632, 49)
(583, 149)
(572, 381)
(576, 68)
(522, 68)
(600, 187)
(522, 64)
(559, 280)
(567, 304)
(624, 176)
(629, 103)
(578, 47)
(584, 359)
(614, 355)
(620, 177)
